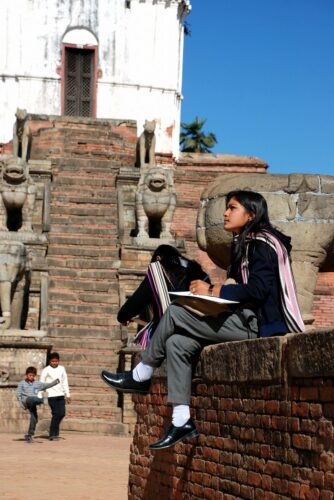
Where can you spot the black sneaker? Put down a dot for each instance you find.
(28, 438)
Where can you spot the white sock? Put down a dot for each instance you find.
(142, 372)
(181, 415)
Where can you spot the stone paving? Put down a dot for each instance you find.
(77, 467)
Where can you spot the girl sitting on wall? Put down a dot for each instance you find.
(267, 306)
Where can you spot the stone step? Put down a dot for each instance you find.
(83, 381)
(84, 320)
(82, 309)
(92, 251)
(81, 164)
(97, 133)
(87, 182)
(60, 240)
(99, 398)
(80, 140)
(93, 344)
(85, 167)
(81, 284)
(105, 263)
(84, 332)
(88, 355)
(87, 369)
(60, 296)
(87, 215)
(92, 410)
(82, 212)
(100, 357)
(96, 389)
(89, 166)
(79, 197)
(62, 228)
(108, 415)
(109, 274)
(95, 426)
(88, 218)
(108, 172)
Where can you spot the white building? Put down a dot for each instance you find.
(99, 58)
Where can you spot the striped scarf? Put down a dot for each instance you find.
(289, 302)
(159, 289)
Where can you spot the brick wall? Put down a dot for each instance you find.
(323, 309)
(264, 410)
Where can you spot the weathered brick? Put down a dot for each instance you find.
(301, 441)
(300, 409)
(328, 480)
(309, 393)
(293, 489)
(254, 479)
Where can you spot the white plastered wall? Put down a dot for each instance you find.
(140, 59)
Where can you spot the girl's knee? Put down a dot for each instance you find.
(174, 342)
(182, 344)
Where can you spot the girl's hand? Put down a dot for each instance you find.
(125, 323)
(199, 287)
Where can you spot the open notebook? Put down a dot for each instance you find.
(203, 305)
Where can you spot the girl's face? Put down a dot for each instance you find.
(236, 216)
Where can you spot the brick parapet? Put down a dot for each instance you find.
(323, 309)
(265, 422)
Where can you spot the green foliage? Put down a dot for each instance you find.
(194, 140)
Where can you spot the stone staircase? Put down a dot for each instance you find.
(83, 258)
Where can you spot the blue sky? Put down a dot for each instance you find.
(262, 73)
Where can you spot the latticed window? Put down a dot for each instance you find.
(78, 82)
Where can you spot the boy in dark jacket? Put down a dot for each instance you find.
(26, 394)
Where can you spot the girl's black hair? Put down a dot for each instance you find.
(179, 270)
(167, 254)
(255, 204)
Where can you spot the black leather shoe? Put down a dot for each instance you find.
(124, 382)
(176, 434)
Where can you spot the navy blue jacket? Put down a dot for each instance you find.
(262, 289)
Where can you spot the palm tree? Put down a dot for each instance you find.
(194, 140)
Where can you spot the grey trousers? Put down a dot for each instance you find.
(181, 335)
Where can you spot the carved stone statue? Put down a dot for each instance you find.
(155, 203)
(17, 196)
(13, 282)
(21, 135)
(146, 146)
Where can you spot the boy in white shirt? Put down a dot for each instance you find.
(57, 395)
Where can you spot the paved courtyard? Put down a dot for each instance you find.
(77, 467)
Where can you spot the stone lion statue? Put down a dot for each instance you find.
(146, 146)
(14, 280)
(21, 135)
(17, 196)
(155, 203)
